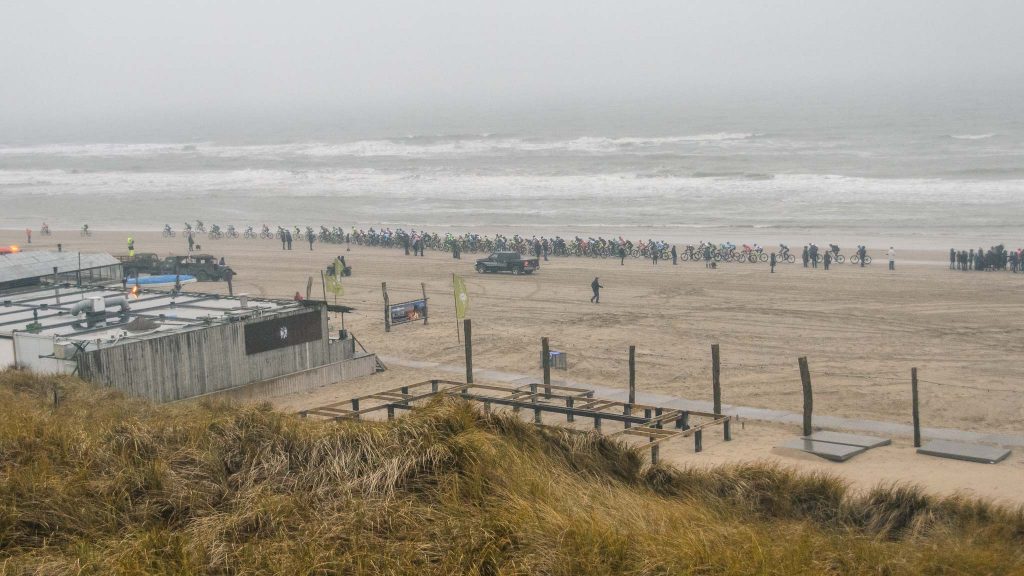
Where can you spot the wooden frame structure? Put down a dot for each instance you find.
(656, 423)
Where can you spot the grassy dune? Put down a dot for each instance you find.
(105, 485)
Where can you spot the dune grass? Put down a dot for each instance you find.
(103, 484)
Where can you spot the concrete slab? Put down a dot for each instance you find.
(849, 439)
(959, 451)
(826, 450)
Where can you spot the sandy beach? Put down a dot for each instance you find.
(862, 330)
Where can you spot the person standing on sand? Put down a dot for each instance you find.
(892, 258)
(131, 247)
(707, 256)
(812, 253)
(952, 259)
(311, 237)
(806, 256)
(192, 242)
(228, 275)
(288, 233)
(772, 262)
(622, 255)
(675, 255)
(28, 232)
(828, 258)
(405, 243)
(596, 287)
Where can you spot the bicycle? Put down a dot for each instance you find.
(168, 231)
(855, 259)
(85, 230)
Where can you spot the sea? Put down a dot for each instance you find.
(925, 177)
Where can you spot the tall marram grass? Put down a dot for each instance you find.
(102, 484)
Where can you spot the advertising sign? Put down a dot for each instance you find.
(406, 312)
(282, 332)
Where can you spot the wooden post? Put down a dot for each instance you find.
(917, 413)
(533, 399)
(458, 336)
(426, 308)
(569, 416)
(632, 374)
(56, 286)
(323, 284)
(467, 329)
(387, 307)
(805, 379)
(309, 288)
(654, 455)
(355, 407)
(545, 361)
(716, 379)
(698, 444)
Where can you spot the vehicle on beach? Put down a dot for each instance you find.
(140, 263)
(507, 262)
(205, 267)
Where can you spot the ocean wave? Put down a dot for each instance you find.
(972, 136)
(446, 186)
(410, 146)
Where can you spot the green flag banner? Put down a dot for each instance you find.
(334, 280)
(461, 297)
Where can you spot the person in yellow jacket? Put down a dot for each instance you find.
(131, 247)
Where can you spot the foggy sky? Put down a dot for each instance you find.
(105, 58)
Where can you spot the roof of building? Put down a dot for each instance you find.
(160, 312)
(40, 263)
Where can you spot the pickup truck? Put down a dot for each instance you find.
(507, 262)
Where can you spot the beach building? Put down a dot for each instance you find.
(167, 347)
(33, 268)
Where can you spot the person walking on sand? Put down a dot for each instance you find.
(28, 232)
(596, 287)
(228, 275)
(892, 258)
(289, 234)
(192, 243)
(655, 252)
(675, 255)
(772, 262)
(311, 237)
(827, 258)
(622, 255)
(806, 256)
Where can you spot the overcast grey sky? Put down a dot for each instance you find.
(102, 58)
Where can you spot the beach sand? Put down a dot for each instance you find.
(862, 330)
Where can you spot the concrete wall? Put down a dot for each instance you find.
(31, 351)
(303, 381)
(202, 361)
(6, 353)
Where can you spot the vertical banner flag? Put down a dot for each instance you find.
(461, 297)
(334, 280)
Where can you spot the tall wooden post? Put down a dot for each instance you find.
(805, 379)
(716, 378)
(628, 409)
(632, 374)
(387, 307)
(467, 329)
(545, 362)
(917, 413)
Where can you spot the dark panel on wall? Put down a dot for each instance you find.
(282, 332)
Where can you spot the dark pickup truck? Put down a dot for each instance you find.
(507, 262)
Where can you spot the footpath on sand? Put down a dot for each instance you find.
(745, 412)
